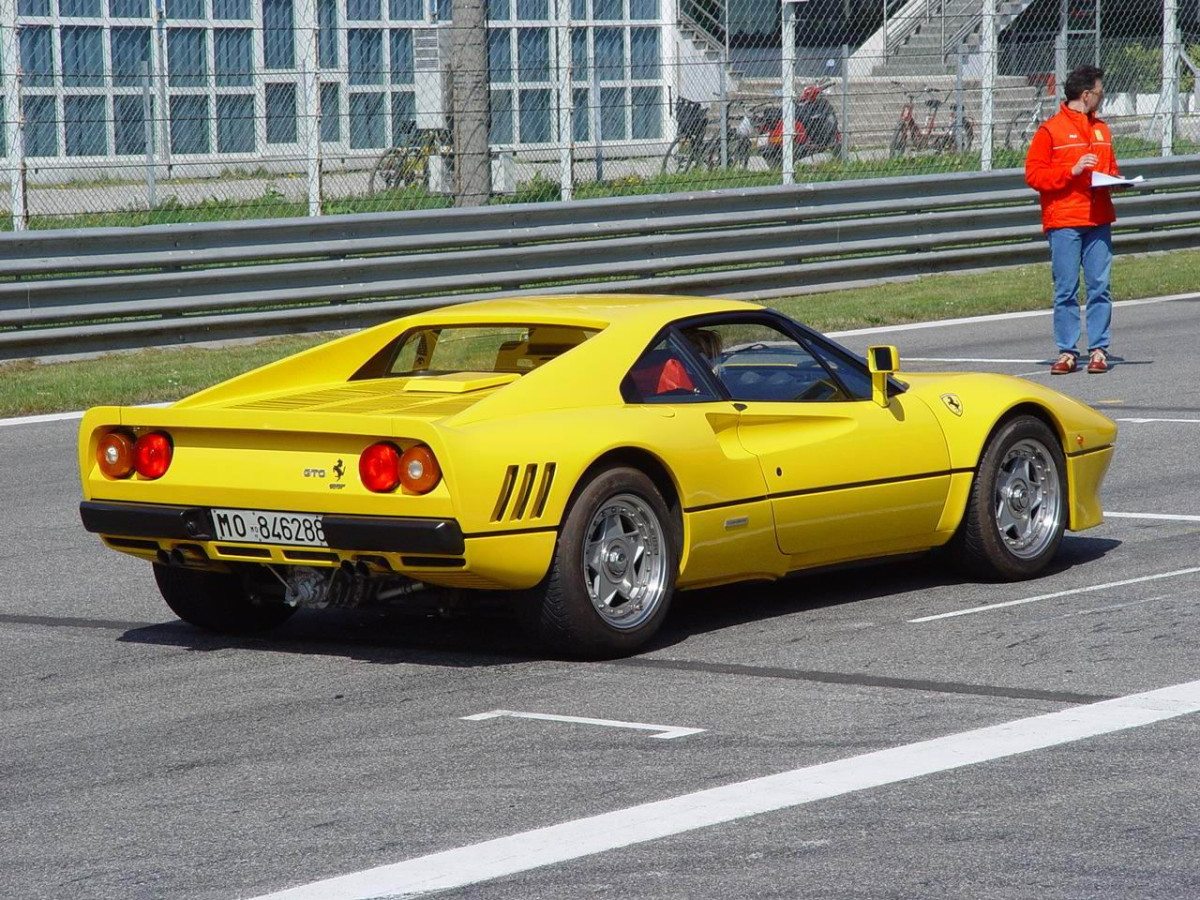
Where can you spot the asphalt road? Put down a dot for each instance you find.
(140, 758)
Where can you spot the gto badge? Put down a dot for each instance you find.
(953, 403)
(314, 473)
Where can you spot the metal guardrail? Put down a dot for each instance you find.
(97, 289)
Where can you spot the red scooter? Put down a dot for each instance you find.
(816, 126)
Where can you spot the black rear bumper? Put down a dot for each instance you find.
(384, 534)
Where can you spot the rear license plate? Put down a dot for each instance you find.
(256, 526)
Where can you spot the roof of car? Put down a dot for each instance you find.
(585, 309)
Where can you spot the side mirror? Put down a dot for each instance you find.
(882, 361)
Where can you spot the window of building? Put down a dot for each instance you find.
(185, 9)
(33, 7)
(579, 9)
(85, 127)
(499, 55)
(130, 49)
(643, 10)
(406, 10)
(129, 125)
(579, 54)
(403, 61)
(364, 51)
(647, 113)
(404, 116)
(607, 10)
(37, 56)
(644, 58)
(189, 124)
(535, 117)
(367, 121)
(363, 10)
(129, 9)
(281, 113)
(331, 112)
(88, 8)
(581, 115)
(499, 10)
(187, 63)
(612, 114)
(533, 54)
(279, 48)
(233, 56)
(327, 35)
(610, 53)
(533, 10)
(82, 55)
(235, 123)
(500, 126)
(232, 9)
(41, 125)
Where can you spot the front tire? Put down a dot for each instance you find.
(1017, 510)
(216, 601)
(613, 574)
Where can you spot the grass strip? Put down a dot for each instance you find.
(155, 375)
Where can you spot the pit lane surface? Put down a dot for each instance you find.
(141, 758)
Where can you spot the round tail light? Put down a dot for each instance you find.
(152, 455)
(419, 470)
(114, 455)
(379, 468)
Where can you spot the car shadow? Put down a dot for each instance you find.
(487, 635)
(698, 612)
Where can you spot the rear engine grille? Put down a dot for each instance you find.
(520, 485)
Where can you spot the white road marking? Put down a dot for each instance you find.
(527, 850)
(1146, 421)
(1082, 590)
(957, 359)
(667, 731)
(1165, 518)
(46, 417)
(994, 317)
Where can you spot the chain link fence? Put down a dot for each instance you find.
(150, 111)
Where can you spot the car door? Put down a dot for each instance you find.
(846, 477)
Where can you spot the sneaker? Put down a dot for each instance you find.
(1098, 364)
(1065, 365)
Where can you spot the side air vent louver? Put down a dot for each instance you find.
(518, 488)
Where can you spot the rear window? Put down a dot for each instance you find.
(442, 350)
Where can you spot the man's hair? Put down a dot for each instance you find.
(1082, 79)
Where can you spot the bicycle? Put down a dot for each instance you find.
(408, 162)
(693, 147)
(1024, 125)
(911, 137)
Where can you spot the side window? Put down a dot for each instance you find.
(853, 375)
(756, 361)
(664, 375)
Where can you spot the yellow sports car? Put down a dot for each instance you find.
(587, 455)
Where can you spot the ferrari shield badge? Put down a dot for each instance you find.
(953, 403)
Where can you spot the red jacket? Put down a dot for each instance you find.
(1070, 201)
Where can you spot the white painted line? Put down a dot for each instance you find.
(954, 359)
(527, 850)
(667, 731)
(1146, 421)
(47, 417)
(994, 317)
(1082, 590)
(64, 416)
(1162, 516)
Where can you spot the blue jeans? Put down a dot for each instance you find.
(1090, 248)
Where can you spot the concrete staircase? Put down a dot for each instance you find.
(935, 33)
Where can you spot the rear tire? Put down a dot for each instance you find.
(216, 601)
(1017, 510)
(899, 142)
(613, 573)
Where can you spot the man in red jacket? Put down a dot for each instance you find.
(1076, 217)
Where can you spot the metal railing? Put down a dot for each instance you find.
(96, 289)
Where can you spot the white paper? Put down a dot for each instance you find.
(1099, 179)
